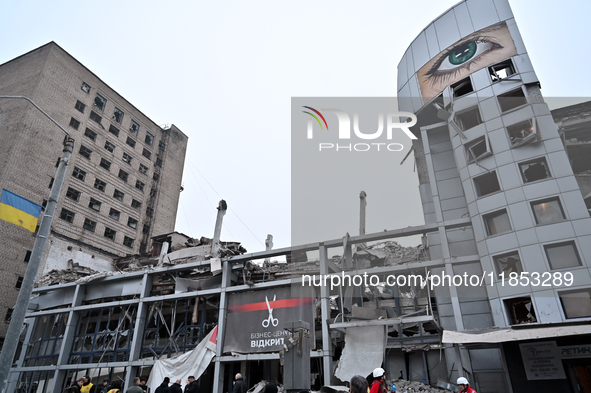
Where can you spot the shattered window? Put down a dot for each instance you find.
(134, 127)
(118, 195)
(100, 185)
(46, 339)
(118, 115)
(462, 87)
(73, 194)
(94, 204)
(501, 70)
(534, 170)
(90, 134)
(95, 117)
(576, 304)
(130, 141)
(508, 263)
(74, 123)
(126, 158)
(85, 87)
(149, 139)
(109, 146)
(522, 133)
(521, 310)
(80, 106)
(113, 130)
(114, 214)
(477, 149)
(468, 119)
(139, 185)
(143, 169)
(100, 102)
(110, 233)
(79, 173)
(67, 215)
(127, 241)
(123, 175)
(89, 224)
(132, 223)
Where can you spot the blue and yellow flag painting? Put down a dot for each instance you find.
(19, 211)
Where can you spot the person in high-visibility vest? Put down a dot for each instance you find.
(115, 387)
(87, 386)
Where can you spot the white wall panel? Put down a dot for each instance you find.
(432, 42)
(483, 13)
(463, 19)
(447, 30)
(420, 52)
(503, 9)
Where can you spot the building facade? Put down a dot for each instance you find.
(123, 180)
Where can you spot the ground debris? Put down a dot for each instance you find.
(73, 273)
(404, 386)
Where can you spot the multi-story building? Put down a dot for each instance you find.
(123, 180)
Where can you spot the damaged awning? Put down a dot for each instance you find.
(504, 335)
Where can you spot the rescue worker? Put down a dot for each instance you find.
(379, 383)
(465, 385)
(87, 386)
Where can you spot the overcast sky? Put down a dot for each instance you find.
(224, 72)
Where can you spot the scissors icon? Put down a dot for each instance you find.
(270, 320)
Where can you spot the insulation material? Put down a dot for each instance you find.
(363, 352)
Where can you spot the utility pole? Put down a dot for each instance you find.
(22, 302)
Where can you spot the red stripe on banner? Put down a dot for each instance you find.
(273, 304)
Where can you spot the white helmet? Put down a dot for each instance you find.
(378, 372)
(462, 381)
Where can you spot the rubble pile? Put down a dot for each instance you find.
(74, 272)
(389, 253)
(404, 386)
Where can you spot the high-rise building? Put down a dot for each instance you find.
(122, 182)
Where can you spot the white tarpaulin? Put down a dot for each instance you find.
(364, 351)
(189, 363)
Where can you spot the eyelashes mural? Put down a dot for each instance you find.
(472, 53)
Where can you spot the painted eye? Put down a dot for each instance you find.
(465, 52)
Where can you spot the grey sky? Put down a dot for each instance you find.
(224, 72)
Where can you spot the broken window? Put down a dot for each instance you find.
(85, 87)
(19, 282)
(126, 158)
(139, 185)
(534, 170)
(127, 241)
(118, 115)
(89, 224)
(134, 127)
(468, 119)
(114, 214)
(147, 153)
(110, 233)
(123, 175)
(94, 204)
(100, 185)
(67, 215)
(109, 146)
(28, 255)
(501, 70)
(156, 176)
(520, 310)
(462, 87)
(100, 102)
(132, 223)
(73, 194)
(576, 304)
(477, 149)
(508, 263)
(562, 255)
(80, 106)
(161, 145)
(105, 164)
(79, 173)
(143, 169)
(74, 123)
(149, 139)
(95, 117)
(522, 133)
(130, 141)
(90, 134)
(497, 222)
(113, 130)
(85, 151)
(487, 184)
(511, 100)
(118, 195)
(548, 211)
(135, 204)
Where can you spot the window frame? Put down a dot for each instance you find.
(110, 233)
(80, 106)
(509, 94)
(74, 123)
(496, 259)
(130, 142)
(571, 292)
(132, 222)
(95, 117)
(73, 194)
(101, 100)
(114, 214)
(486, 178)
(85, 152)
(149, 139)
(117, 196)
(562, 244)
(546, 200)
(134, 127)
(114, 130)
(89, 224)
(493, 70)
(128, 242)
(100, 185)
(461, 123)
(105, 164)
(533, 162)
(78, 173)
(126, 158)
(518, 142)
(95, 202)
(468, 148)
(90, 134)
(492, 215)
(147, 153)
(140, 185)
(110, 147)
(123, 175)
(67, 215)
(85, 87)
(118, 119)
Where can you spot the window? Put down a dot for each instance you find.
(126, 158)
(576, 304)
(95, 117)
(487, 184)
(100, 102)
(497, 222)
(109, 146)
(562, 255)
(161, 145)
(100, 185)
(58, 162)
(89, 225)
(149, 139)
(132, 223)
(67, 215)
(85, 152)
(123, 175)
(158, 162)
(51, 183)
(143, 169)
(134, 127)
(136, 204)
(118, 115)
(74, 123)
(19, 282)
(149, 212)
(146, 229)
(85, 87)
(80, 106)
(110, 233)
(105, 164)
(130, 141)
(501, 70)
(512, 100)
(520, 310)
(118, 195)
(8, 315)
(522, 133)
(139, 185)
(156, 176)
(114, 214)
(127, 241)
(73, 194)
(153, 192)
(462, 87)
(90, 134)
(28, 255)
(113, 130)
(477, 149)
(508, 263)
(94, 204)
(79, 173)
(44, 203)
(548, 211)
(468, 118)
(147, 153)
(534, 170)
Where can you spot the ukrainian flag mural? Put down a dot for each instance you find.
(19, 211)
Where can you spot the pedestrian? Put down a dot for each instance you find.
(465, 385)
(239, 385)
(143, 381)
(358, 384)
(136, 387)
(163, 388)
(75, 388)
(106, 386)
(87, 386)
(192, 385)
(115, 387)
(379, 382)
(176, 387)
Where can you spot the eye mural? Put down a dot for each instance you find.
(472, 53)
